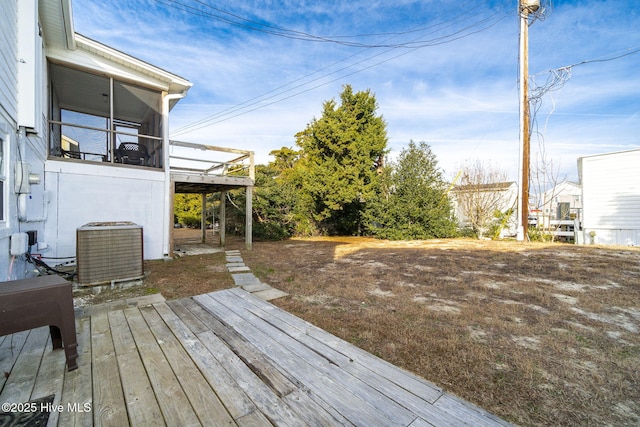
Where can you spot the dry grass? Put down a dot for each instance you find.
(537, 334)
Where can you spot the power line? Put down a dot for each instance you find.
(558, 77)
(300, 35)
(242, 108)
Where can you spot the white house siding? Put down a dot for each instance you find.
(611, 198)
(69, 194)
(83, 193)
(8, 65)
(507, 200)
(20, 46)
(8, 119)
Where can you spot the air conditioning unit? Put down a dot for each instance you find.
(108, 252)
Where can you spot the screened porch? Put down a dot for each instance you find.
(97, 118)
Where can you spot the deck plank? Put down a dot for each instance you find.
(283, 383)
(363, 362)
(220, 359)
(225, 386)
(280, 382)
(181, 308)
(396, 384)
(50, 378)
(142, 406)
(9, 351)
(276, 410)
(108, 400)
(173, 402)
(424, 399)
(323, 359)
(462, 410)
(77, 397)
(351, 398)
(21, 380)
(254, 419)
(204, 400)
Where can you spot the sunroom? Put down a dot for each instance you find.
(99, 118)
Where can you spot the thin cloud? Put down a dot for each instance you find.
(460, 97)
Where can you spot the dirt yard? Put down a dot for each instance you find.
(539, 334)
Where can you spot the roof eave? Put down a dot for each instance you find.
(175, 83)
(69, 30)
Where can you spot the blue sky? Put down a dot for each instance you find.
(443, 71)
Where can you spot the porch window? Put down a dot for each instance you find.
(100, 119)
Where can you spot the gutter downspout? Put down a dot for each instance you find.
(168, 193)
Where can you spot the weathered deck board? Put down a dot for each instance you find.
(312, 334)
(259, 364)
(225, 358)
(283, 383)
(142, 406)
(108, 400)
(10, 350)
(50, 378)
(172, 399)
(415, 394)
(264, 397)
(327, 362)
(77, 390)
(236, 401)
(349, 396)
(203, 399)
(20, 384)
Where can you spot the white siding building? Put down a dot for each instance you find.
(482, 201)
(611, 198)
(84, 138)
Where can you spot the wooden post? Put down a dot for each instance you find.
(172, 193)
(223, 216)
(248, 232)
(203, 219)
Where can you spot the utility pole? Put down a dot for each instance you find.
(525, 7)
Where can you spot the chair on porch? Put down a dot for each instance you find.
(70, 154)
(132, 153)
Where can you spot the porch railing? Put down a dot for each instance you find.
(105, 145)
(199, 159)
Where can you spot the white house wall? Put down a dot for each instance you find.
(22, 129)
(611, 198)
(83, 193)
(66, 194)
(8, 64)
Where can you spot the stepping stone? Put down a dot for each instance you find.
(256, 288)
(233, 253)
(237, 269)
(242, 279)
(270, 294)
(231, 259)
(235, 264)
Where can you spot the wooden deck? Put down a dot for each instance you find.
(224, 358)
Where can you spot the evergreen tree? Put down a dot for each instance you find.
(413, 202)
(187, 209)
(340, 156)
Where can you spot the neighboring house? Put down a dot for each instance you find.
(563, 201)
(610, 198)
(559, 211)
(475, 204)
(84, 138)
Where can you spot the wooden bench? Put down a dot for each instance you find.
(41, 301)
